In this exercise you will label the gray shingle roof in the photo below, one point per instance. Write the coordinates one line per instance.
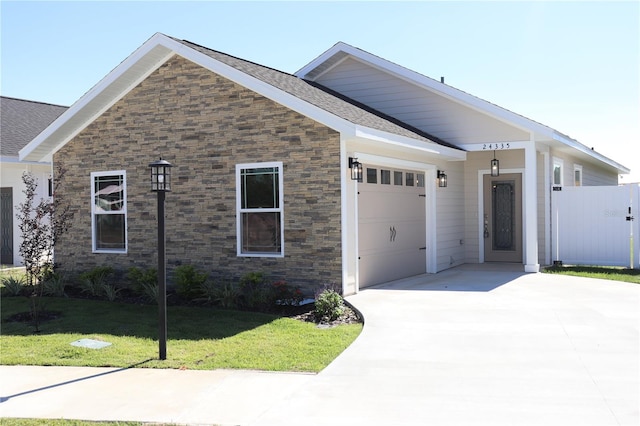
(320, 96)
(22, 120)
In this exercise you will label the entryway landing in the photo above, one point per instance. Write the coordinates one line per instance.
(479, 277)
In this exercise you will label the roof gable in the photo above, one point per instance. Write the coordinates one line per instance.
(429, 104)
(295, 93)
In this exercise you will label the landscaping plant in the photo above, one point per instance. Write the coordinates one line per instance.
(329, 306)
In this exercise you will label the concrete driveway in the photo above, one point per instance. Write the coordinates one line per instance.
(482, 345)
(475, 345)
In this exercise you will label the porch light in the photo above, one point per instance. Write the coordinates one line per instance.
(495, 166)
(356, 169)
(160, 176)
(442, 179)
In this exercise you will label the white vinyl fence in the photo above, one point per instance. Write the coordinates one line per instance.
(591, 225)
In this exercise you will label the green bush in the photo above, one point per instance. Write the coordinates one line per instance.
(54, 285)
(286, 295)
(189, 281)
(144, 282)
(13, 286)
(255, 293)
(329, 306)
(224, 294)
(94, 281)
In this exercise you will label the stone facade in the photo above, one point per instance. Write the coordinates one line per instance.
(204, 125)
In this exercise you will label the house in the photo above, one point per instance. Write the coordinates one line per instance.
(21, 121)
(262, 169)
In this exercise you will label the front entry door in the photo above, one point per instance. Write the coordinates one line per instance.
(6, 226)
(503, 218)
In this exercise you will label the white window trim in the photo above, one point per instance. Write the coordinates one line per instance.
(123, 211)
(578, 168)
(557, 162)
(239, 209)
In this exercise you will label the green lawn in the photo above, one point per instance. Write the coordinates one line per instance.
(602, 272)
(198, 338)
(5, 421)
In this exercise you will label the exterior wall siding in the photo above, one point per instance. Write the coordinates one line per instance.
(204, 125)
(450, 207)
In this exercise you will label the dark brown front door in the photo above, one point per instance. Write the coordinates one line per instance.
(503, 218)
(6, 226)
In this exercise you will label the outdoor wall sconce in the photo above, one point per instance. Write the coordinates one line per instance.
(442, 179)
(161, 183)
(495, 166)
(356, 169)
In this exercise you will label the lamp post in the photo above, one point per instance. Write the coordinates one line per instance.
(161, 183)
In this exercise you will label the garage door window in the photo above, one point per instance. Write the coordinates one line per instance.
(260, 212)
(397, 178)
(420, 177)
(409, 179)
(372, 175)
(385, 177)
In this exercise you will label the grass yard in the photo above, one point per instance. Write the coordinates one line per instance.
(5, 421)
(602, 272)
(198, 337)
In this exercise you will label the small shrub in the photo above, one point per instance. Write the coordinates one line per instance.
(329, 306)
(144, 282)
(189, 281)
(110, 291)
(224, 294)
(54, 285)
(13, 286)
(255, 293)
(287, 295)
(93, 281)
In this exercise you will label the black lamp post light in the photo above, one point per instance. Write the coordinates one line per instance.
(161, 183)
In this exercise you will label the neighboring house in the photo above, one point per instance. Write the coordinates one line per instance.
(261, 178)
(21, 121)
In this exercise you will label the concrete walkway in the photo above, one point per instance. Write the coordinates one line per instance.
(472, 345)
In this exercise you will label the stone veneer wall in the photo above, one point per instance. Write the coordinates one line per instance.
(204, 125)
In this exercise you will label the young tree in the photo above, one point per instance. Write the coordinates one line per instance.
(41, 224)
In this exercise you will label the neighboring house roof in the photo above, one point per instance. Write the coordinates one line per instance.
(309, 99)
(340, 52)
(21, 121)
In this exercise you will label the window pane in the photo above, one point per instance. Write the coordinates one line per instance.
(409, 177)
(397, 178)
(578, 178)
(109, 193)
(557, 173)
(261, 232)
(420, 177)
(372, 175)
(260, 188)
(109, 231)
(385, 177)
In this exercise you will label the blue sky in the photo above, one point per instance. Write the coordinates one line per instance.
(573, 66)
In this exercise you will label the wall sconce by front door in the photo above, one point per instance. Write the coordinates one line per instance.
(356, 169)
(442, 179)
(495, 166)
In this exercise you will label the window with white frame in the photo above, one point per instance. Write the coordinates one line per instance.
(109, 211)
(557, 172)
(260, 219)
(577, 175)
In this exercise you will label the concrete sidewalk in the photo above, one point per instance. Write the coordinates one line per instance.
(472, 345)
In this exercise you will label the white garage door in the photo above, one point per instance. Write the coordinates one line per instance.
(391, 225)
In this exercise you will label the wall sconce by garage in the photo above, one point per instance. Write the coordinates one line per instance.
(356, 169)
(495, 166)
(442, 179)
(161, 183)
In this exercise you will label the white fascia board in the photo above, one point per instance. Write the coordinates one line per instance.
(15, 160)
(265, 89)
(134, 69)
(572, 143)
(336, 48)
(405, 142)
